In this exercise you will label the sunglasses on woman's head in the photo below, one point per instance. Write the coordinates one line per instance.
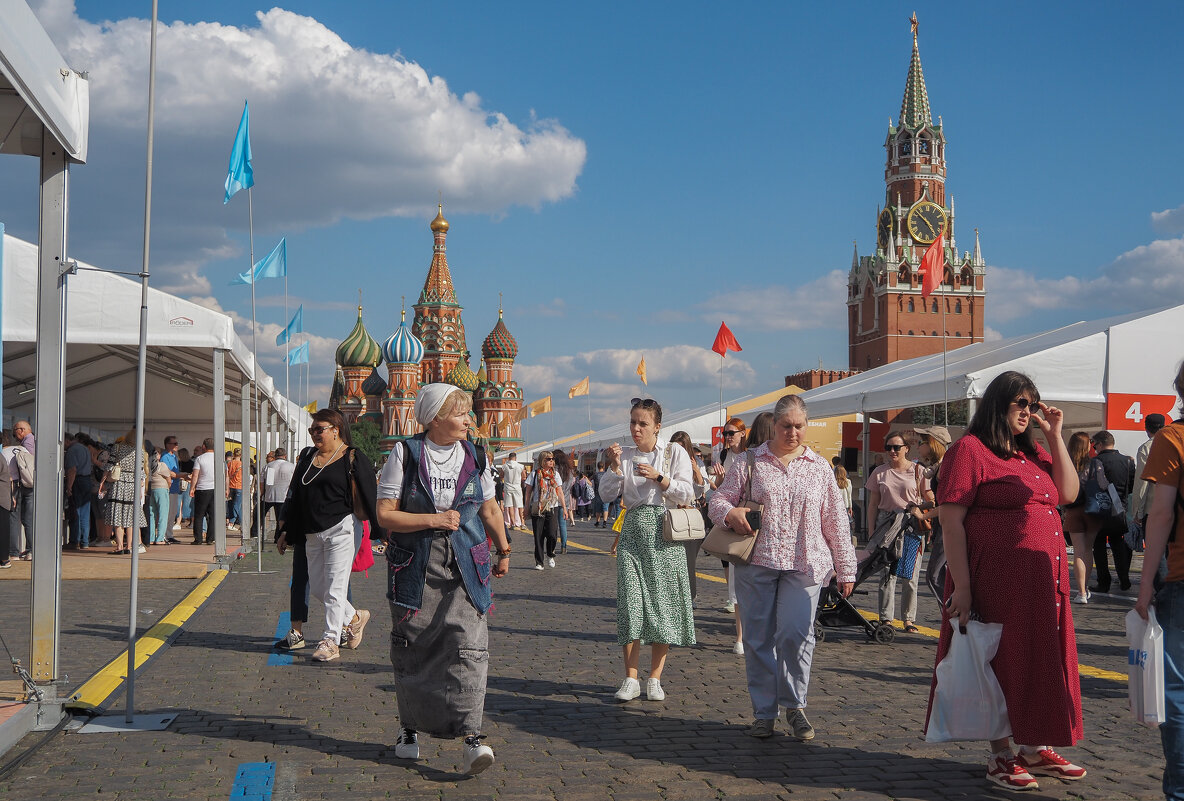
(645, 403)
(894, 448)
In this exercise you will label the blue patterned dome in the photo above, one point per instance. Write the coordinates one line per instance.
(403, 347)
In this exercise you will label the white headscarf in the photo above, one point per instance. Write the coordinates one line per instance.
(430, 400)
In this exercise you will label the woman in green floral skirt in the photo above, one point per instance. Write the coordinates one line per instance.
(653, 590)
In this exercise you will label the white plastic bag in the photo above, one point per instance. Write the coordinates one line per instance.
(968, 702)
(1145, 667)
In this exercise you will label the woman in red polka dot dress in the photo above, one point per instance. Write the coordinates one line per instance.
(1007, 564)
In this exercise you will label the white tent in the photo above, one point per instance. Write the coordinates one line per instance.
(1105, 373)
(102, 331)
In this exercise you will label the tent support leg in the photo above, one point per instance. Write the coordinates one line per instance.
(219, 453)
(247, 431)
(48, 422)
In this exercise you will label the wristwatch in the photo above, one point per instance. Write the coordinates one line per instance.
(660, 478)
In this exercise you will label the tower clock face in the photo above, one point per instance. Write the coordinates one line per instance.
(883, 228)
(925, 221)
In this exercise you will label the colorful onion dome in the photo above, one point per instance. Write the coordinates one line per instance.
(359, 348)
(403, 347)
(499, 344)
(462, 377)
(440, 224)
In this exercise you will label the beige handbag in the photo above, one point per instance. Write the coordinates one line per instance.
(731, 546)
(683, 524)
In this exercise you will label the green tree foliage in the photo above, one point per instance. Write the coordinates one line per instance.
(366, 436)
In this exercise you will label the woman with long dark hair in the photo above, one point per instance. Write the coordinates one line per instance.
(1081, 531)
(1007, 562)
(329, 481)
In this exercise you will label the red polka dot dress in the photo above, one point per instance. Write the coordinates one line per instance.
(1019, 576)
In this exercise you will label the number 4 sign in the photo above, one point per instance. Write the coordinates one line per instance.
(1126, 412)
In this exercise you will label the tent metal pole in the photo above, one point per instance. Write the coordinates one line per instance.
(219, 524)
(141, 370)
(45, 590)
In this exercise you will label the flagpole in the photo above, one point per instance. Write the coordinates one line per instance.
(721, 389)
(287, 386)
(254, 416)
(944, 381)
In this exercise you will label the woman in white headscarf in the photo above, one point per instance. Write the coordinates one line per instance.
(436, 497)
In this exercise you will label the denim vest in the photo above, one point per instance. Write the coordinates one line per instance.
(407, 554)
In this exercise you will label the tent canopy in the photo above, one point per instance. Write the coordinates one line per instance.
(102, 333)
(38, 89)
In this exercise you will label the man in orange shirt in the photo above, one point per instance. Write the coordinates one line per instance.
(234, 482)
(1165, 531)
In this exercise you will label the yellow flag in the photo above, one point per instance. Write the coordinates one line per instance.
(541, 406)
(484, 431)
(311, 408)
(641, 371)
(581, 388)
(521, 414)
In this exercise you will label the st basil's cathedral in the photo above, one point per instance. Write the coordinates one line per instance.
(431, 349)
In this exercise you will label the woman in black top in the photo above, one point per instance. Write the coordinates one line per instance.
(330, 481)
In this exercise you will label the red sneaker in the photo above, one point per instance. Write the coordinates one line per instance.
(1048, 762)
(1006, 772)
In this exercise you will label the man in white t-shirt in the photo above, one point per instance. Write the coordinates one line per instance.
(512, 490)
(201, 489)
(276, 478)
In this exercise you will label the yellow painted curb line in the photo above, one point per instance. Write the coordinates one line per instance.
(1084, 670)
(95, 691)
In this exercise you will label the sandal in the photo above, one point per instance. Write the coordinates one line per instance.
(910, 628)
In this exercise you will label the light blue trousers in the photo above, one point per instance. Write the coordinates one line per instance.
(777, 613)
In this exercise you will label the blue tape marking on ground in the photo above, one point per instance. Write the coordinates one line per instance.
(281, 630)
(253, 781)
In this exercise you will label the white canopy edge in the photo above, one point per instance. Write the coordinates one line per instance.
(56, 94)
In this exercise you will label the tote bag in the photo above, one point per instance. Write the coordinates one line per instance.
(1145, 667)
(968, 703)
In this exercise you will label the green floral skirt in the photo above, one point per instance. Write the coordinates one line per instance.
(653, 590)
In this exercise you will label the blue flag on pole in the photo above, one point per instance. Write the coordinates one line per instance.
(294, 327)
(273, 265)
(240, 175)
(299, 355)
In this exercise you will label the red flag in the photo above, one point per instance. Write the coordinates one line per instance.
(724, 341)
(933, 265)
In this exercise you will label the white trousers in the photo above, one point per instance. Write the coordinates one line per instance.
(777, 611)
(330, 555)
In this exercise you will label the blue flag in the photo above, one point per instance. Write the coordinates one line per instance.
(273, 265)
(299, 355)
(240, 174)
(294, 327)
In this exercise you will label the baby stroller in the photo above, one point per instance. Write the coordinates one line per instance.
(883, 550)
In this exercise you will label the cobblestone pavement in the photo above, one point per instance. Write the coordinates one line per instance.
(550, 714)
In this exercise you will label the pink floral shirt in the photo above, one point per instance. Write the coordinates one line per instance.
(804, 525)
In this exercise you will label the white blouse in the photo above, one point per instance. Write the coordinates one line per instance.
(637, 491)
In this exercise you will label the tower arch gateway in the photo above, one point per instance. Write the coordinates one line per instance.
(884, 288)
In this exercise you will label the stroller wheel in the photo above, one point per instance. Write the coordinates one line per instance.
(885, 634)
(819, 633)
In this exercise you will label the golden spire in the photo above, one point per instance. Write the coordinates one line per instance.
(440, 224)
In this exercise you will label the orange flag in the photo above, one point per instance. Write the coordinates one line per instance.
(725, 341)
(641, 371)
(933, 264)
(581, 388)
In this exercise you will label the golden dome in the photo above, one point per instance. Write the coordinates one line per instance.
(440, 224)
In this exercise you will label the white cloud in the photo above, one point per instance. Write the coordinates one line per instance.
(1168, 221)
(821, 303)
(1145, 277)
(336, 132)
(991, 335)
(556, 307)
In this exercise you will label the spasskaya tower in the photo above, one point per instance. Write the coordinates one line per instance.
(888, 319)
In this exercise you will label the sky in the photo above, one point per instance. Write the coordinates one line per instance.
(626, 176)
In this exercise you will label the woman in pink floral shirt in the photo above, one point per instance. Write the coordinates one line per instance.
(804, 534)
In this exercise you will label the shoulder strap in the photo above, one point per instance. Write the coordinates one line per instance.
(410, 468)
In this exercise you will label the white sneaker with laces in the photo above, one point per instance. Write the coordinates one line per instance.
(738, 648)
(1079, 598)
(407, 746)
(630, 689)
(141, 549)
(551, 562)
(539, 567)
(478, 757)
(654, 691)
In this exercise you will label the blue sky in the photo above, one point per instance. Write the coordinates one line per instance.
(660, 167)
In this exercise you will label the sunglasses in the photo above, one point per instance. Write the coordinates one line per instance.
(319, 429)
(731, 433)
(1024, 403)
(645, 403)
(895, 448)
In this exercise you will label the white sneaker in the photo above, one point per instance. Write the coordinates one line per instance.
(141, 549)
(738, 648)
(1082, 599)
(654, 691)
(407, 746)
(176, 526)
(478, 757)
(630, 689)
(551, 562)
(538, 567)
(729, 607)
